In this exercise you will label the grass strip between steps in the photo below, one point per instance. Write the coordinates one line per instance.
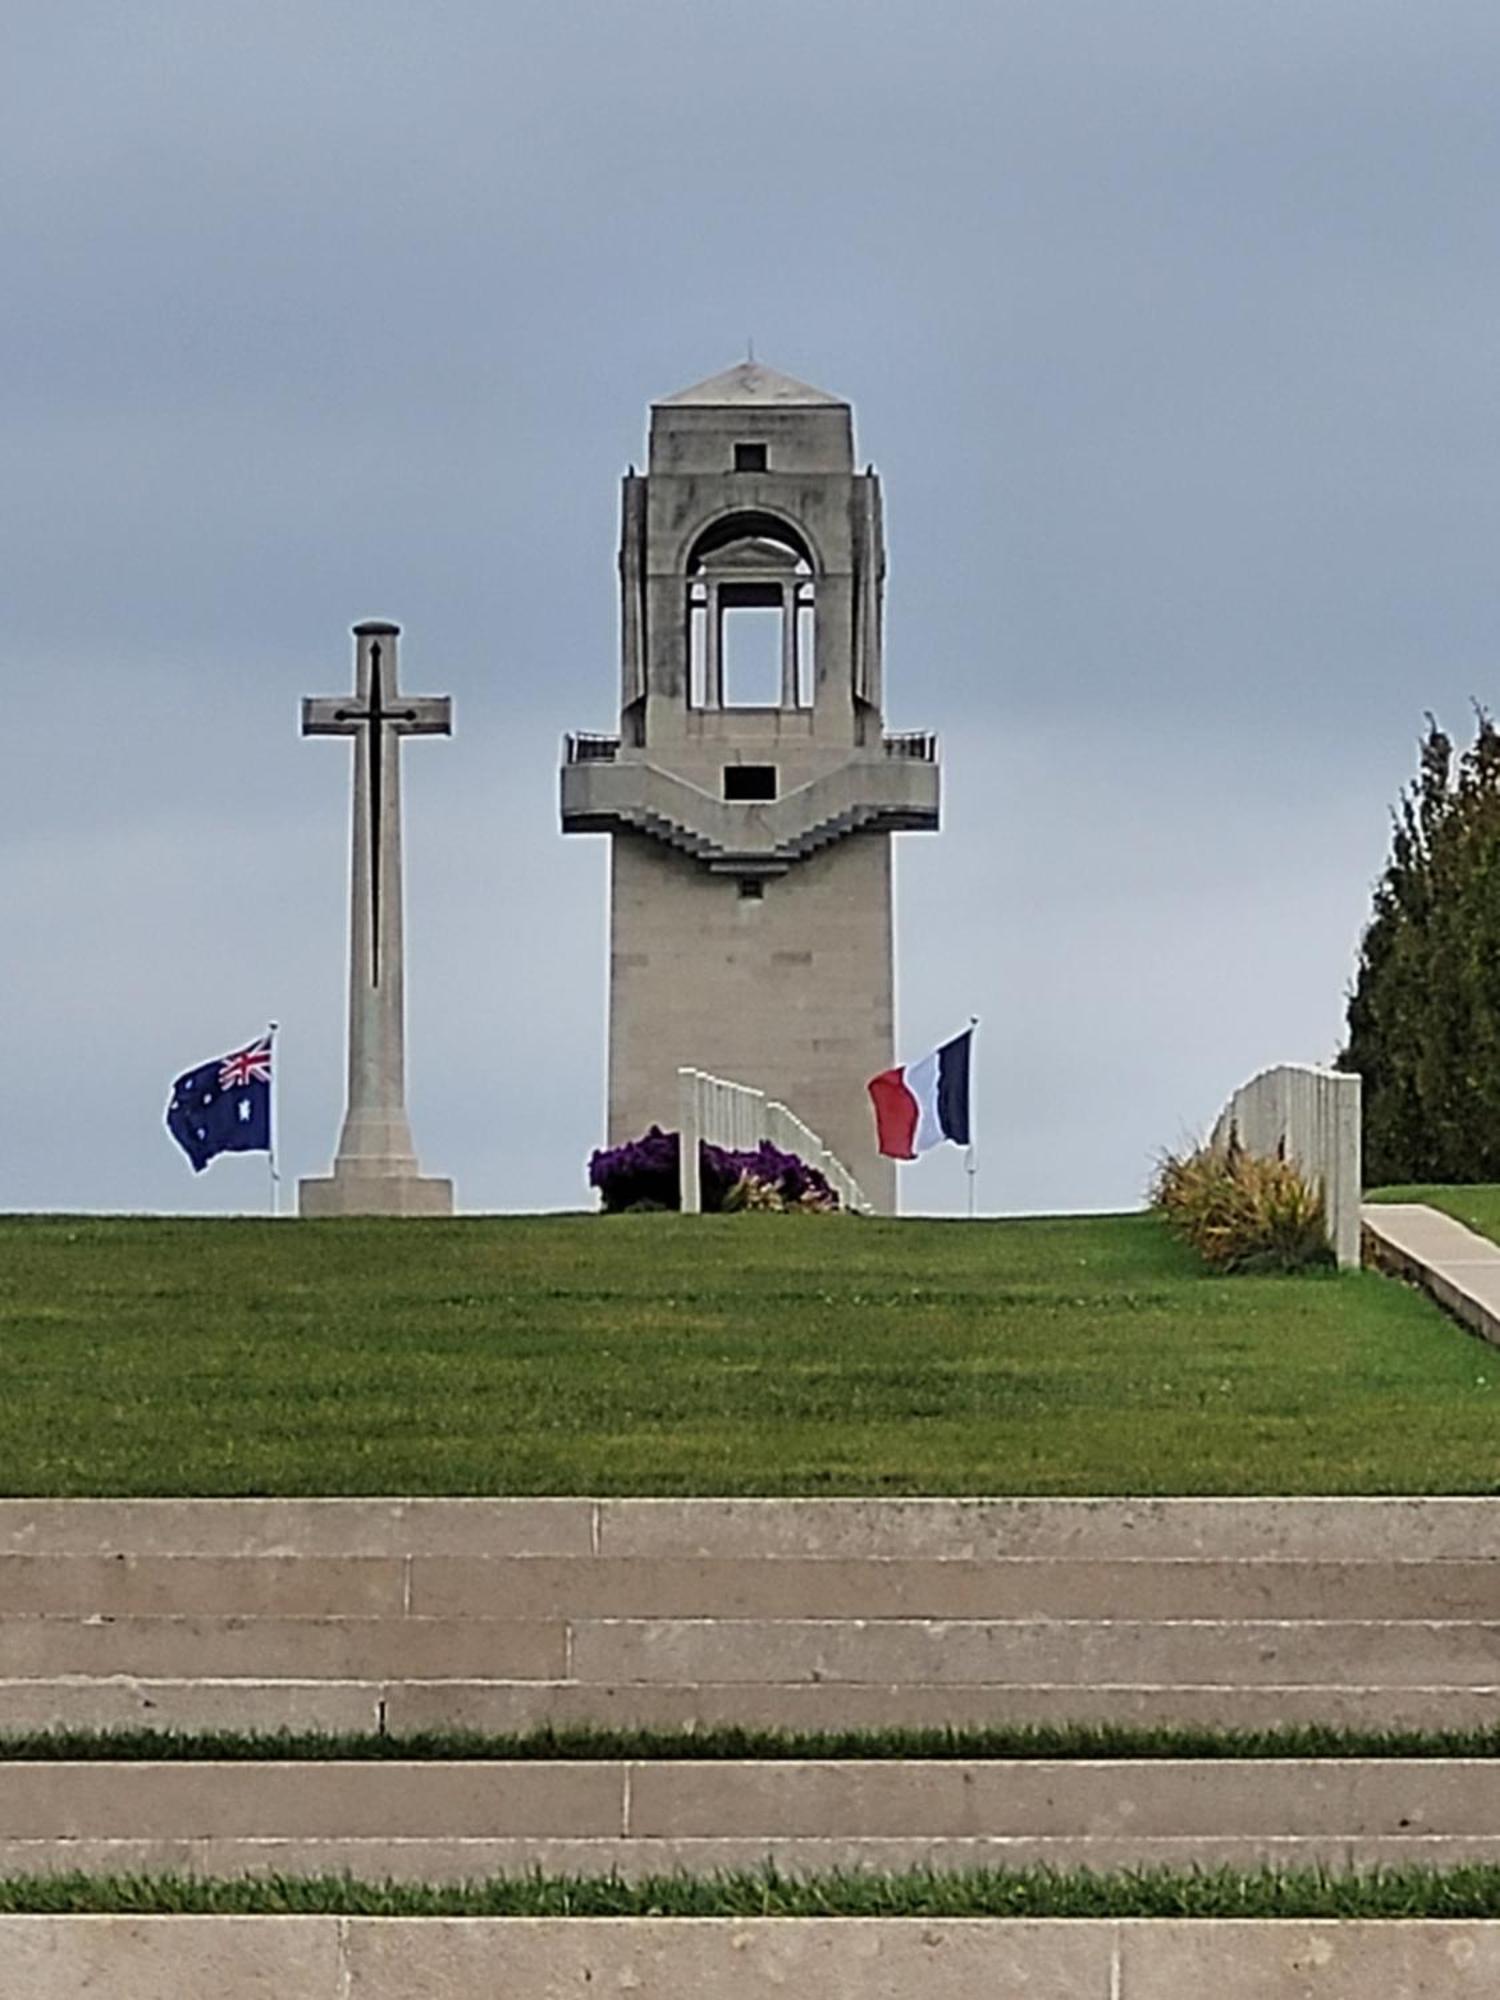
(1463, 1892)
(1052, 1742)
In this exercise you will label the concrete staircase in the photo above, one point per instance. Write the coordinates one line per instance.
(503, 1615)
(509, 1614)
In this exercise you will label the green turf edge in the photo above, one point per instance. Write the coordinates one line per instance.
(1082, 1742)
(1397, 1893)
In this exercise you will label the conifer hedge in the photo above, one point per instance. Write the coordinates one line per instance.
(1424, 1014)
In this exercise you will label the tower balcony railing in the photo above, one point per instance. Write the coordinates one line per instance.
(585, 747)
(916, 744)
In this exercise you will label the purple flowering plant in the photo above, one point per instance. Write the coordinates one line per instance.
(644, 1173)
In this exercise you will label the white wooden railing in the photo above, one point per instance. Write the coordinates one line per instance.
(1309, 1117)
(734, 1115)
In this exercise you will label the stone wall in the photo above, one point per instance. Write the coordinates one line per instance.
(1311, 1118)
(792, 990)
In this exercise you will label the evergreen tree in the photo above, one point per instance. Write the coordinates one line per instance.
(1424, 1016)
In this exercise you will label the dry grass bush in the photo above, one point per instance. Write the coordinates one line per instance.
(750, 1191)
(1242, 1212)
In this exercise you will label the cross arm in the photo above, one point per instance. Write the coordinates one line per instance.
(328, 715)
(423, 715)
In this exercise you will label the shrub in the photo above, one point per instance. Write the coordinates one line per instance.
(643, 1173)
(1241, 1211)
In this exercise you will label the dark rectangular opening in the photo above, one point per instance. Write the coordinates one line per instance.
(750, 458)
(751, 891)
(749, 781)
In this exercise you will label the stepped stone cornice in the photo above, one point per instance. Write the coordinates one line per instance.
(872, 791)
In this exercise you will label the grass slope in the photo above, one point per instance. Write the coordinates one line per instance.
(745, 1354)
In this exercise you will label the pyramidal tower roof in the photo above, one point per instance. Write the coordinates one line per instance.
(751, 382)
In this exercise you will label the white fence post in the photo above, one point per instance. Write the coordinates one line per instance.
(1311, 1118)
(690, 1131)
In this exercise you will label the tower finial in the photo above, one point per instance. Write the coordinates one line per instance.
(750, 347)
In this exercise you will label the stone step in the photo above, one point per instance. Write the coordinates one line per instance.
(434, 1819)
(334, 1527)
(554, 1588)
(516, 1707)
(1316, 1529)
(1100, 1530)
(919, 1652)
(291, 1648)
(1025, 1651)
(908, 1588)
(717, 1798)
(284, 1586)
(837, 1958)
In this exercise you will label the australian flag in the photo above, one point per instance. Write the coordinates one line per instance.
(224, 1106)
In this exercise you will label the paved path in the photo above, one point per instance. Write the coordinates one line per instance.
(1458, 1268)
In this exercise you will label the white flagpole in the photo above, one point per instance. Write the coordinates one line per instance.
(271, 1035)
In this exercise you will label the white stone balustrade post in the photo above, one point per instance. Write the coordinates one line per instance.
(1311, 1118)
(690, 1131)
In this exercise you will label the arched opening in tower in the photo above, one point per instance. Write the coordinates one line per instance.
(751, 615)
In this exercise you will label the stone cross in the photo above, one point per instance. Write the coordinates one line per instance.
(375, 1171)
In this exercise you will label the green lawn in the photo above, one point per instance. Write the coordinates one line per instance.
(735, 1354)
(1479, 1207)
(1057, 1742)
(1392, 1894)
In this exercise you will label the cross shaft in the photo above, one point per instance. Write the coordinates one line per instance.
(419, 715)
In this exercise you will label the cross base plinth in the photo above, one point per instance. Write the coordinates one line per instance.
(374, 1194)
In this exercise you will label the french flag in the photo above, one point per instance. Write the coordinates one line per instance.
(923, 1103)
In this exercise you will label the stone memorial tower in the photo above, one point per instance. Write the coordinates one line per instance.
(751, 792)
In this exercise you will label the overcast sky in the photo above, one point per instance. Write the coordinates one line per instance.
(1170, 326)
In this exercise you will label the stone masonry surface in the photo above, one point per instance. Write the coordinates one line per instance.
(510, 1614)
(330, 1958)
(437, 1821)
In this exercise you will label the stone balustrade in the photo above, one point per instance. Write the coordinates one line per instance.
(739, 1117)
